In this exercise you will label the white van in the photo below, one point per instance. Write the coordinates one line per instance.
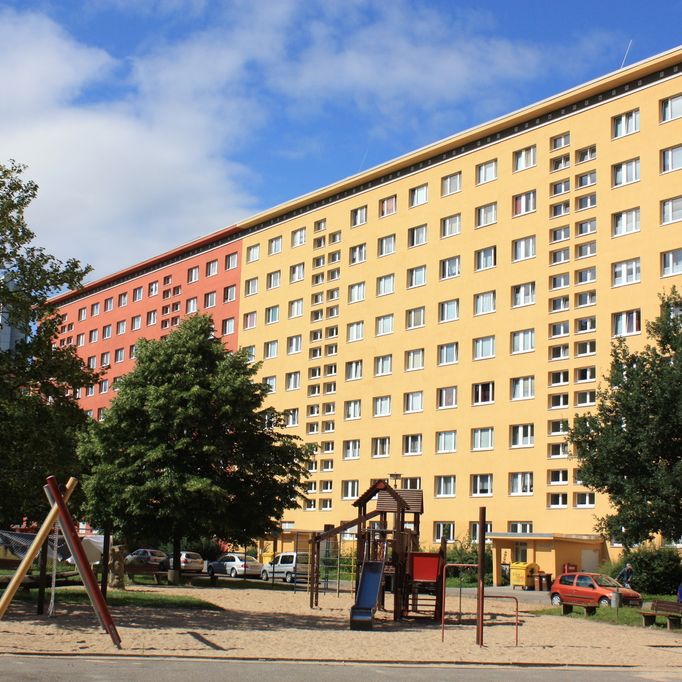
(287, 566)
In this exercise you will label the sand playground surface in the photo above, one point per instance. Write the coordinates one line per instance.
(271, 625)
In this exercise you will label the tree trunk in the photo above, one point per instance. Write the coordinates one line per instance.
(175, 575)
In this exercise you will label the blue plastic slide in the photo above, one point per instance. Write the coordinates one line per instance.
(367, 597)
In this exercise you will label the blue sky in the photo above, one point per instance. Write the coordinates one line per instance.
(148, 123)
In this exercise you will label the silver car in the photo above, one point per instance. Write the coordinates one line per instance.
(190, 562)
(288, 566)
(235, 565)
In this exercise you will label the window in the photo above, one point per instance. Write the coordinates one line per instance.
(523, 294)
(626, 323)
(386, 245)
(584, 374)
(483, 393)
(444, 486)
(558, 427)
(523, 248)
(586, 201)
(625, 272)
(443, 529)
(446, 441)
(625, 124)
(357, 254)
(358, 216)
(108, 305)
(558, 401)
(121, 327)
(557, 450)
(625, 173)
(451, 225)
(523, 388)
(558, 378)
(381, 446)
(415, 317)
(521, 483)
(419, 195)
(387, 206)
(349, 490)
(412, 444)
(522, 436)
(353, 370)
(557, 500)
(481, 485)
(484, 347)
(356, 292)
(151, 317)
(135, 323)
(352, 409)
(292, 380)
(559, 163)
(451, 183)
(484, 303)
(274, 245)
(585, 276)
(560, 187)
(486, 215)
(272, 314)
(523, 341)
(296, 272)
(383, 365)
(560, 141)
(295, 308)
(273, 279)
(413, 401)
(583, 500)
(586, 227)
(559, 304)
(298, 237)
(625, 222)
(351, 449)
(384, 325)
(523, 203)
(671, 108)
(586, 249)
(270, 349)
(586, 154)
(447, 353)
(671, 263)
(671, 159)
(556, 210)
(416, 277)
(94, 333)
(230, 293)
(524, 158)
(446, 397)
(249, 320)
(485, 258)
(416, 236)
(385, 285)
(294, 344)
(559, 256)
(560, 234)
(448, 311)
(482, 438)
(586, 179)
(557, 329)
(252, 253)
(449, 267)
(209, 299)
(153, 289)
(558, 477)
(486, 172)
(586, 298)
(355, 331)
(382, 406)
(671, 210)
(251, 286)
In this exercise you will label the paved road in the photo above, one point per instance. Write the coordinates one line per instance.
(107, 669)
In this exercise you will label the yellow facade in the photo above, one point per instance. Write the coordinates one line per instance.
(441, 316)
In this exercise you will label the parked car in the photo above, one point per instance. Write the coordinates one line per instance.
(191, 562)
(147, 557)
(235, 565)
(590, 587)
(287, 566)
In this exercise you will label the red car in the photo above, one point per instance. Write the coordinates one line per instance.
(588, 588)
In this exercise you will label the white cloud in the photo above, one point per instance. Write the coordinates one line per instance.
(125, 176)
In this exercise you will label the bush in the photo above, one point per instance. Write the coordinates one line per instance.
(466, 552)
(657, 570)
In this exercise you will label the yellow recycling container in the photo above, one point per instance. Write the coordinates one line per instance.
(522, 574)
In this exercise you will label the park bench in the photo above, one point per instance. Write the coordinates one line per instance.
(669, 609)
(568, 604)
(133, 569)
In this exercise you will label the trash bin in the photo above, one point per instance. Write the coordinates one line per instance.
(537, 581)
(522, 574)
(616, 599)
(547, 580)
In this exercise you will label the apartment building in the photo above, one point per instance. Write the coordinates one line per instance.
(441, 317)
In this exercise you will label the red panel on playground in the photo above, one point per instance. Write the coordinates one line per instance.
(425, 566)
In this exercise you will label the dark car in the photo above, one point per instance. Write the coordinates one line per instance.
(587, 588)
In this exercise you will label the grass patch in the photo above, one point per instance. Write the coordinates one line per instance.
(155, 600)
(625, 615)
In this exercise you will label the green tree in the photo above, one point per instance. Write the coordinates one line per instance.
(38, 412)
(187, 448)
(631, 447)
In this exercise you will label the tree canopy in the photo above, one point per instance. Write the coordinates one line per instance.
(631, 447)
(187, 448)
(38, 411)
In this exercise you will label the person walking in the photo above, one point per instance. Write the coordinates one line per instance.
(625, 576)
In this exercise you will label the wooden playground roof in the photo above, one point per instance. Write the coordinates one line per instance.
(414, 499)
